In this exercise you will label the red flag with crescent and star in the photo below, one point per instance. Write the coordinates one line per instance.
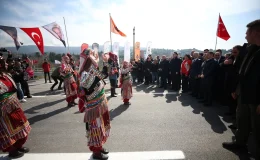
(36, 36)
(222, 31)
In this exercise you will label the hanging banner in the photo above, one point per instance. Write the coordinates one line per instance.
(107, 47)
(36, 35)
(137, 51)
(12, 31)
(56, 31)
(148, 49)
(127, 52)
(95, 46)
(116, 48)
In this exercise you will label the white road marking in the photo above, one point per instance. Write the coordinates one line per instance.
(151, 155)
(108, 94)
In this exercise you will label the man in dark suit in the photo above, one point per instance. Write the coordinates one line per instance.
(220, 78)
(194, 74)
(208, 76)
(248, 94)
(164, 71)
(175, 67)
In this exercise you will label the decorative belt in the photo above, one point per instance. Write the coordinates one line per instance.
(97, 90)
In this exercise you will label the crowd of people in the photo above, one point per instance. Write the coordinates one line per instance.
(231, 79)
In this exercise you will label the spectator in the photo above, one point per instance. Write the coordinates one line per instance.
(46, 69)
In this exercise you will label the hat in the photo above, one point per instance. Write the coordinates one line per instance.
(87, 57)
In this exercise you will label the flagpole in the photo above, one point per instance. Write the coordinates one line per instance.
(134, 42)
(110, 31)
(217, 34)
(66, 35)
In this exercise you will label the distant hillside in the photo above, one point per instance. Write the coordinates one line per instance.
(57, 49)
(32, 49)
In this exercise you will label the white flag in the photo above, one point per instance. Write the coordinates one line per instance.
(56, 31)
(57, 62)
(116, 50)
(107, 47)
(148, 49)
(127, 52)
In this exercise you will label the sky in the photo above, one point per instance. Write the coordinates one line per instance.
(172, 24)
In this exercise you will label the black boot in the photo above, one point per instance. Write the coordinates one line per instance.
(100, 156)
(104, 151)
(24, 150)
(70, 105)
(113, 92)
(15, 154)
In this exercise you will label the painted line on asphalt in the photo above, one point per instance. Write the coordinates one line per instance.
(108, 94)
(151, 155)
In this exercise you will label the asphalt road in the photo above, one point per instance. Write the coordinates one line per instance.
(157, 120)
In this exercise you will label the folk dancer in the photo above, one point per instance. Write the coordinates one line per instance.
(14, 126)
(126, 82)
(70, 85)
(93, 101)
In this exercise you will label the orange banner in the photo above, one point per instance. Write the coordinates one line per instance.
(137, 51)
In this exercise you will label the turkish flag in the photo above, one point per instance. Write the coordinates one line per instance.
(36, 36)
(222, 31)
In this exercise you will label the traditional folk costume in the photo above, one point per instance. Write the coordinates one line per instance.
(126, 83)
(70, 85)
(93, 101)
(14, 126)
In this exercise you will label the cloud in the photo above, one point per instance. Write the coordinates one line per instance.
(167, 23)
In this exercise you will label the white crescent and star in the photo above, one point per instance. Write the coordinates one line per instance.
(33, 34)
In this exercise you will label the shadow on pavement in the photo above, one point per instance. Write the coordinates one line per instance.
(117, 111)
(41, 106)
(211, 114)
(48, 92)
(48, 115)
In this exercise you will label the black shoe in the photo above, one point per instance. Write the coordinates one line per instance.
(73, 103)
(127, 103)
(207, 104)
(70, 105)
(50, 82)
(104, 151)
(113, 95)
(29, 96)
(232, 126)
(234, 146)
(100, 156)
(24, 150)
(116, 93)
(228, 114)
(15, 154)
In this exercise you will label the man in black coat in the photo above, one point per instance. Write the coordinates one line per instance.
(175, 67)
(208, 76)
(164, 71)
(194, 74)
(140, 73)
(219, 84)
(148, 71)
(248, 94)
